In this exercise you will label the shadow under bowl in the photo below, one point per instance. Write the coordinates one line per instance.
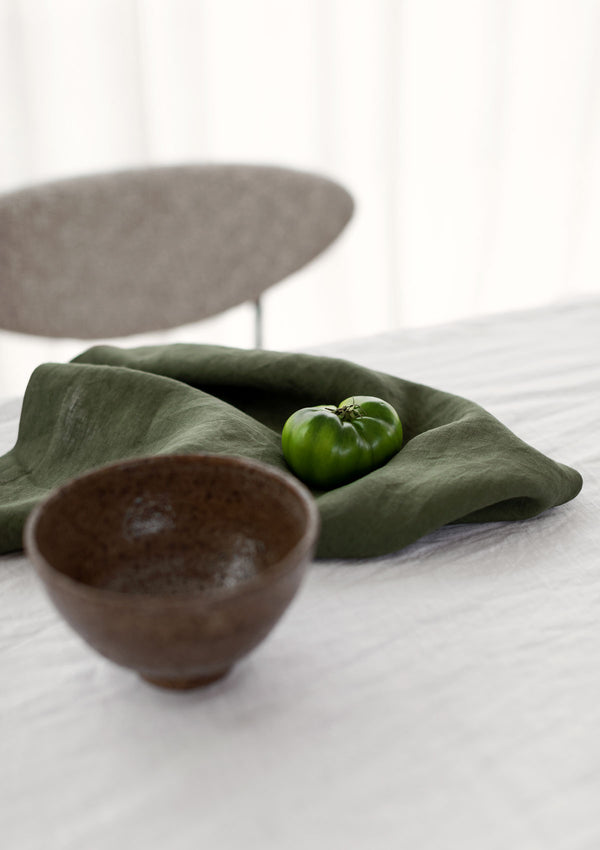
(175, 566)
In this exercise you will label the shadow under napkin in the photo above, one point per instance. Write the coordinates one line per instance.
(458, 463)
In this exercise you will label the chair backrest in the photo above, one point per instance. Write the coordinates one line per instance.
(115, 254)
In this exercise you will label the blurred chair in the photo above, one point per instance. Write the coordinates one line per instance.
(129, 252)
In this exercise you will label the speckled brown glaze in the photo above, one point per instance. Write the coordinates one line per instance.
(174, 566)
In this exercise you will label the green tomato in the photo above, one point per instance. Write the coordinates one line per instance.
(327, 446)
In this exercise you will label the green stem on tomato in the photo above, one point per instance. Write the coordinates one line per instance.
(348, 412)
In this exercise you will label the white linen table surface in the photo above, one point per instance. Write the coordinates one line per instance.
(446, 696)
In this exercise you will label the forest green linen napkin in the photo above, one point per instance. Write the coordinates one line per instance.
(458, 462)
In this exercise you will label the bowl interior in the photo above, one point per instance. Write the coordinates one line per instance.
(173, 525)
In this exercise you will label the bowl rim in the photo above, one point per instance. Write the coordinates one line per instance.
(255, 584)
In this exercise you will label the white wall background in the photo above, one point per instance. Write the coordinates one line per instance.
(467, 131)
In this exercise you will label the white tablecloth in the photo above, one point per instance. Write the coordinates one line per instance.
(444, 697)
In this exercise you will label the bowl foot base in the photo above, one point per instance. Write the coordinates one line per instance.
(185, 684)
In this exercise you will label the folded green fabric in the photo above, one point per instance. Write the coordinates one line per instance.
(458, 463)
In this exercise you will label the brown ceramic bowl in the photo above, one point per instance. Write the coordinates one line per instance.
(175, 566)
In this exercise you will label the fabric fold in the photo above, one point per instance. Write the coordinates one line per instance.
(458, 463)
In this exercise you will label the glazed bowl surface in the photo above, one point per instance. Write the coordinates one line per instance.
(175, 566)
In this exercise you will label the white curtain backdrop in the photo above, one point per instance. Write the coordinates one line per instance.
(467, 131)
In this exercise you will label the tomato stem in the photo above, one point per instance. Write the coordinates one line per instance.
(348, 412)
